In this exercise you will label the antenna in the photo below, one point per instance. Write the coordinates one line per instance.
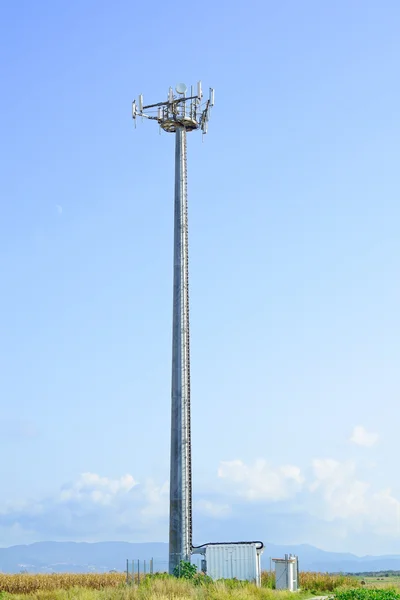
(177, 112)
(211, 97)
(181, 88)
(180, 114)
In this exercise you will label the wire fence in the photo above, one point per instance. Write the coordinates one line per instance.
(137, 569)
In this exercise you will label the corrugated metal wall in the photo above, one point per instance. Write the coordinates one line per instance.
(228, 561)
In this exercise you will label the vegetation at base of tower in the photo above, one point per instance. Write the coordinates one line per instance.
(113, 586)
(185, 570)
(159, 589)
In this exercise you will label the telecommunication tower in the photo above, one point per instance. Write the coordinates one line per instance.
(179, 114)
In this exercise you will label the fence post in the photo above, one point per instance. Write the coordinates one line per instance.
(151, 566)
(133, 572)
(144, 567)
(127, 571)
(138, 571)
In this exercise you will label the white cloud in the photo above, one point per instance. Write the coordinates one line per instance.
(342, 494)
(261, 481)
(101, 490)
(385, 513)
(93, 508)
(254, 499)
(335, 493)
(343, 497)
(362, 437)
(157, 505)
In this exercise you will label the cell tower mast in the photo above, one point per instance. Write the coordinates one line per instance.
(179, 114)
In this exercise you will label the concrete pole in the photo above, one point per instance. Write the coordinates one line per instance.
(180, 528)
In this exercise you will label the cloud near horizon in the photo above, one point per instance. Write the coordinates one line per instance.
(361, 437)
(261, 481)
(91, 508)
(255, 500)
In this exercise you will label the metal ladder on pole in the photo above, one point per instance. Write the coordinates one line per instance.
(187, 347)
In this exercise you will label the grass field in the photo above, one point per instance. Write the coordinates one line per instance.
(380, 581)
(368, 594)
(155, 589)
(316, 582)
(113, 586)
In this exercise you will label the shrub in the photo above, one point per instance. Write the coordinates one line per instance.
(185, 570)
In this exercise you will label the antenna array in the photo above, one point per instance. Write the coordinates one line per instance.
(179, 110)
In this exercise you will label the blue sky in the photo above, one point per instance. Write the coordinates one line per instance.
(294, 263)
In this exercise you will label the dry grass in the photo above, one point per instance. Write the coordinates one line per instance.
(112, 586)
(326, 582)
(156, 589)
(315, 582)
(23, 584)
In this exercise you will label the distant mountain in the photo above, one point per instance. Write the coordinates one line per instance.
(58, 557)
(314, 559)
(61, 557)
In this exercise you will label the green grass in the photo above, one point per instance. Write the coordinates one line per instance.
(162, 589)
(368, 594)
(380, 581)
